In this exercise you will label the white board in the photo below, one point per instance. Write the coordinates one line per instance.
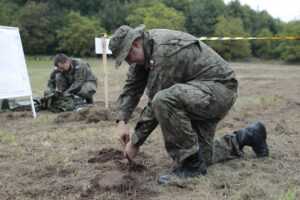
(98, 46)
(14, 80)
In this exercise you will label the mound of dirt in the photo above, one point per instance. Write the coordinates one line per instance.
(123, 180)
(110, 154)
(81, 114)
(88, 114)
(92, 114)
(114, 180)
(122, 185)
(106, 154)
(99, 115)
(64, 117)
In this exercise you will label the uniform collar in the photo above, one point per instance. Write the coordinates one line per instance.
(148, 51)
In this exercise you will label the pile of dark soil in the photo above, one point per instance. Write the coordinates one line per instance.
(88, 115)
(124, 181)
(105, 155)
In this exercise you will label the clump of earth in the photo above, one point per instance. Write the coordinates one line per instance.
(123, 179)
(88, 114)
(114, 180)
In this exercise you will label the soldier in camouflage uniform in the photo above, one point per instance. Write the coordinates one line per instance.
(72, 76)
(190, 89)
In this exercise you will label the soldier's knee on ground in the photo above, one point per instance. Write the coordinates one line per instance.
(86, 92)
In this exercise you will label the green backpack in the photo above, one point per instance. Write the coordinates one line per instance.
(57, 102)
(54, 101)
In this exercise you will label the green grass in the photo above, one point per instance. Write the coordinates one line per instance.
(289, 195)
(7, 139)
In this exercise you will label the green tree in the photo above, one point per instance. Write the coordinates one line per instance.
(228, 26)
(112, 13)
(7, 12)
(263, 48)
(263, 20)
(16, 2)
(78, 36)
(202, 16)
(157, 16)
(254, 21)
(34, 27)
(289, 50)
(181, 5)
(88, 7)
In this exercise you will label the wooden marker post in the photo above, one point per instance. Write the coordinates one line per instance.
(105, 73)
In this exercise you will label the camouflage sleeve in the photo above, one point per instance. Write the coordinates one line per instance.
(132, 91)
(146, 124)
(79, 76)
(52, 82)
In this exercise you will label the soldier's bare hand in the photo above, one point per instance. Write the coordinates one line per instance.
(123, 133)
(131, 151)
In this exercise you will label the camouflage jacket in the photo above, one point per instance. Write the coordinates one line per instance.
(169, 59)
(52, 82)
(79, 73)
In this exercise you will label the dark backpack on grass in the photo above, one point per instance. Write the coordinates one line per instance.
(54, 101)
(59, 102)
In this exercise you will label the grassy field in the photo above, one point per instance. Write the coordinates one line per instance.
(71, 155)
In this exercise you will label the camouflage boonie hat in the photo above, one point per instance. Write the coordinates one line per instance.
(121, 41)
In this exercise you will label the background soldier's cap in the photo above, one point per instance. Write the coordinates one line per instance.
(121, 41)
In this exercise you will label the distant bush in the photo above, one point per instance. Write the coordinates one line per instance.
(77, 37)
(231, 49)
(289, 50)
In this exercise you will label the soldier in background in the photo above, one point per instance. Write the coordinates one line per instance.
(72, 76)
(190, 89)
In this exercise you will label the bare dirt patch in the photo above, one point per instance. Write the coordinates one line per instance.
(106, 154)
(91, 114)
(87, 114)
(114, 180)
(124, 179)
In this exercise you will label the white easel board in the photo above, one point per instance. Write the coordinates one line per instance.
(14, 80)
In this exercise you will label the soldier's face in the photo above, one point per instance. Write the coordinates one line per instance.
(65, 66)
(136, 54)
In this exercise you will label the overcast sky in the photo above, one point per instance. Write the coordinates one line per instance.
(286, 10)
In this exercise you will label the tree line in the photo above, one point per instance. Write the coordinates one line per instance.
(49, 27)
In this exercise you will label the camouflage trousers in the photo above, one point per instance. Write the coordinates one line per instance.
(87, 90)
(188, 115)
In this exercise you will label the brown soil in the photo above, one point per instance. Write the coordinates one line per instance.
(87, 114)
(114, 180)
(123, 179)
(106, 154)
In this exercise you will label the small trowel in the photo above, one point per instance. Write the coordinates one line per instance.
(131, 164)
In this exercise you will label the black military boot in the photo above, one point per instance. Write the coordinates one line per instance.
(254, 136)
(191, 167)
